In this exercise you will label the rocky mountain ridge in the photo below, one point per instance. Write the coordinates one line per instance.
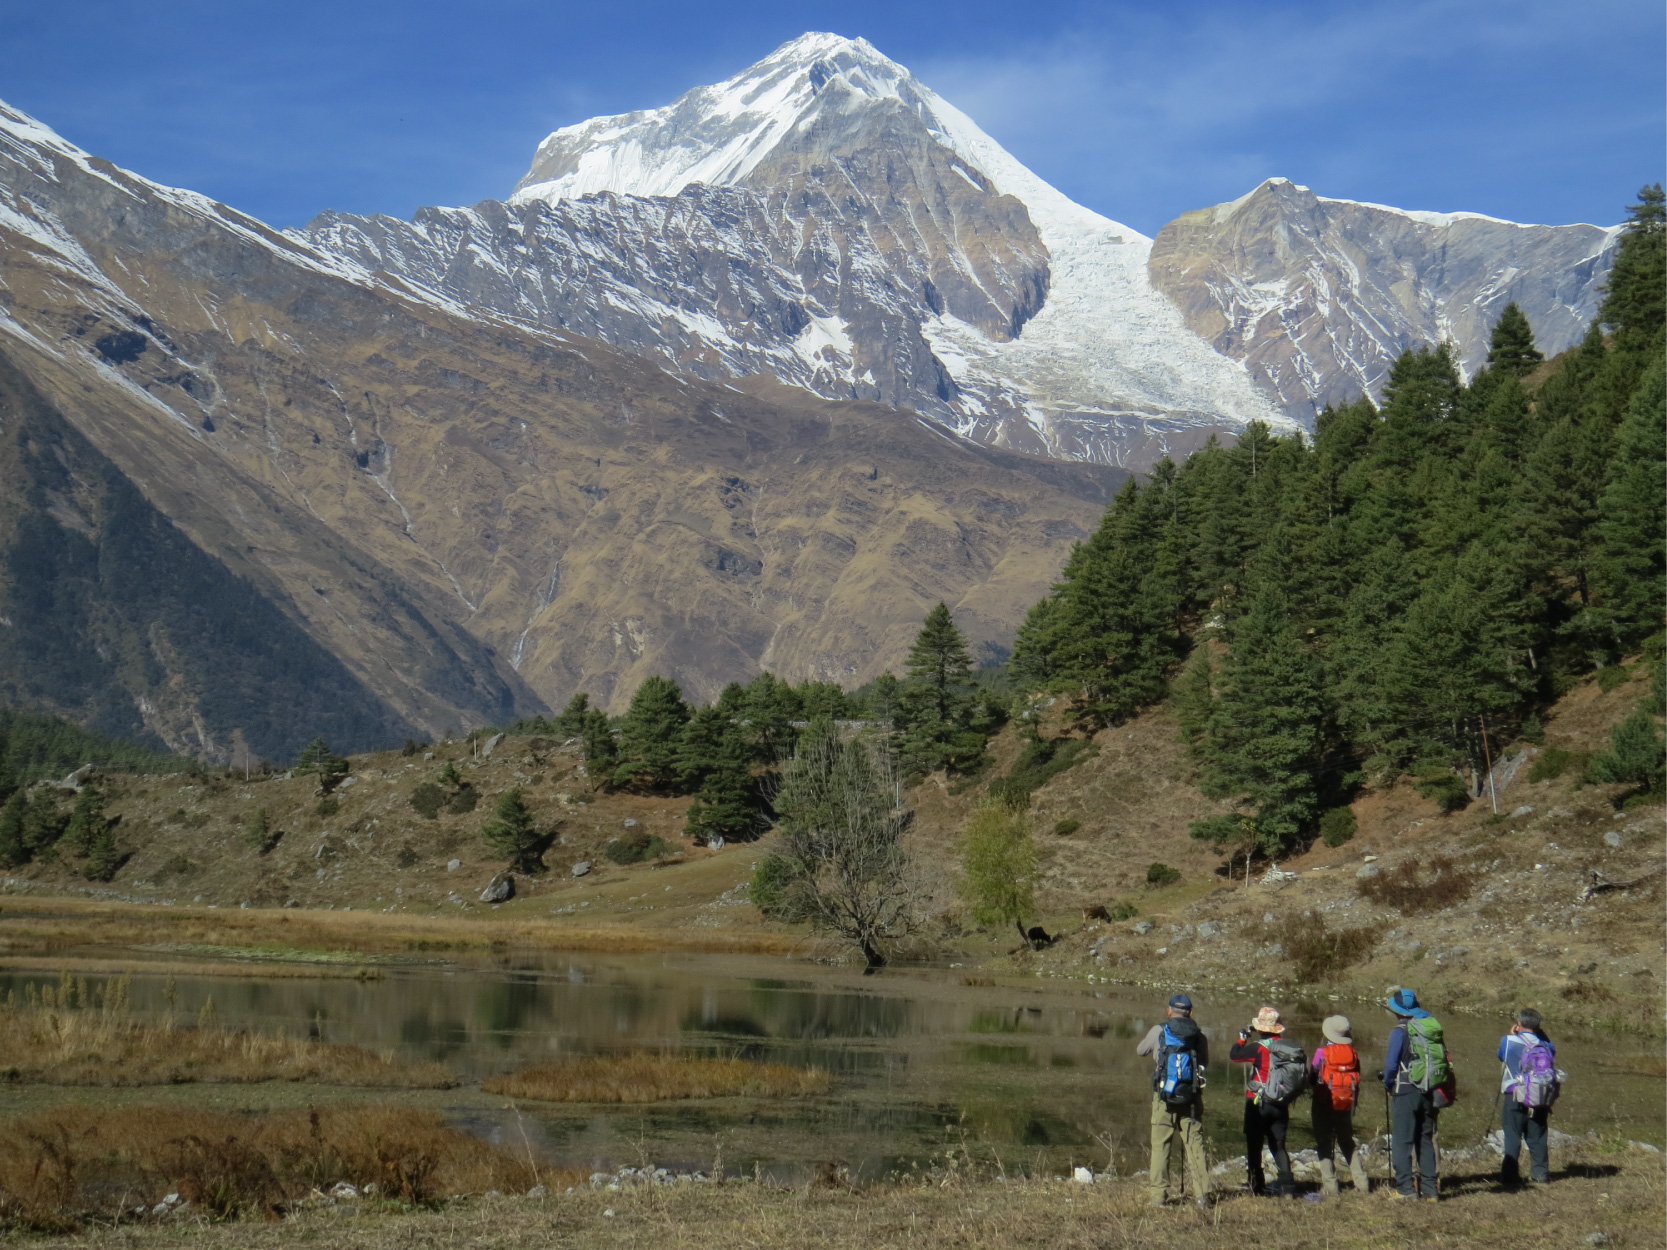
(825, 217)
(1317, 297)
(476, 517)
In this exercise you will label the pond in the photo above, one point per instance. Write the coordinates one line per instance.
(1031, 1077)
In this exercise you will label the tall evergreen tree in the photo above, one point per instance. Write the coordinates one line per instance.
(1512, 347)
(650, 733)
(1631, 564)
(85, 821)
(1263, 741)
(937, 703)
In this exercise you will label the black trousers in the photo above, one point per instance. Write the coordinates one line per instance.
(1413, 1116)
(1522, 1124)
(1266, 1126)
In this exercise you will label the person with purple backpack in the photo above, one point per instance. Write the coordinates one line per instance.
(1530, 1084)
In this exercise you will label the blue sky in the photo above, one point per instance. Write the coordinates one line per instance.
(1532, 110)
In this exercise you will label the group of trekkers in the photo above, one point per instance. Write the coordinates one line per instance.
(1417, 1078)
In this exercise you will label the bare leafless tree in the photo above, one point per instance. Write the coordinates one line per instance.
(843, 863)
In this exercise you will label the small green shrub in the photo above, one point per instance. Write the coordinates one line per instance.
(1160, 875)
(637, 846)
(407, 858)
(464, 801)
(1338, 825)
(428, 799)
(1551, 765)
(1447, 788)
(1010, 793)
(1613, 677)
(328, 805)
(771, 888)
(1066, 828)
(1533, 731)
(1122, 911)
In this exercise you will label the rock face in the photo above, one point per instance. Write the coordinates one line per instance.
(470, 518)
(1317, 297)
(825, 218)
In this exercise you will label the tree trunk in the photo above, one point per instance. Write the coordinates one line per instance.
(1023, 935)
(875, 960)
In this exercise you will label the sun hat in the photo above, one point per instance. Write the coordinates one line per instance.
(1338, 1029)
(1267, 1021)
(1403, 1002)
(1181, 1003)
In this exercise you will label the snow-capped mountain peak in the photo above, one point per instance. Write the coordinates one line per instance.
(715, 135)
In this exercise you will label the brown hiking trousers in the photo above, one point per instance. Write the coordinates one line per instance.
(1167, 1125)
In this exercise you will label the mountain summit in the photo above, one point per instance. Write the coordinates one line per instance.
(825, 217)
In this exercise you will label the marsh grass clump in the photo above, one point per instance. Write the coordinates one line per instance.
(1408, 889)
(1319, 952)
(657, 1078)
(62, 1167)
(77, 1032)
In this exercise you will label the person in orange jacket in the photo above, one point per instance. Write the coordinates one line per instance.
(1336, 1092)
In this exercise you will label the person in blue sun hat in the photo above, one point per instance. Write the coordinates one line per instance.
(1414, 1069)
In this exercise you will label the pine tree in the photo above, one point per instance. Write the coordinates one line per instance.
(104, 860)
(318, 760)
(512, 833)
(1636, 303)
(43, 821)
(601, 747)
(571, 720)
(1630, 567)
(649, 735)
(13, 852)
(85, 821)
(1512, 348)
(1265, 735)
(1635, 755)
(728, 799)
(936, 703)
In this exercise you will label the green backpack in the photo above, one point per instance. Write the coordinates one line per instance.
(1429, 1066)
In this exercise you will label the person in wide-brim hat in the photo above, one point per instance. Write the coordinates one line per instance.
(1337, 1029)
(1267, 1021)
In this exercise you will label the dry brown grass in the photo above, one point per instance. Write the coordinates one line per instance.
(657, 1078)
(62, 1167)
(39, 925)
(1619, 1195)
(1440, 884)
(77, 1032)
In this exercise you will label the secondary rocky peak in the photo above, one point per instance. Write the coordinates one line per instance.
(1318, 296)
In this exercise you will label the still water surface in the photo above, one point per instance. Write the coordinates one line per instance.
(1033, 1077)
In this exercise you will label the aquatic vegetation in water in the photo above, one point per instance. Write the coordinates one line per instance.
(656, 1078)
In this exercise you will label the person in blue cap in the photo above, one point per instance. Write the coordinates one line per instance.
(1180, 1053)
(1415, 1065)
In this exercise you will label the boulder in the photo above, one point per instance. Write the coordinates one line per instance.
(1366, 871)
(1524, 810)
(582, 868)
(1209, 929)
(490, 745)
(630, 823)
(1141, 928)
(501, 890)
(452, 865)
(715, 844)
(1612, 838)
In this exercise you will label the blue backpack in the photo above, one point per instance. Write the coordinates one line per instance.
(1177, 1077)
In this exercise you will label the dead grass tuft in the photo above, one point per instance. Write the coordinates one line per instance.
(62, 1167)
(1319, 953)
(657, 1078)
(78, 1032)
(1407, 888)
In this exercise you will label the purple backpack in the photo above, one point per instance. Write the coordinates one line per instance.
(1537, 1082)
